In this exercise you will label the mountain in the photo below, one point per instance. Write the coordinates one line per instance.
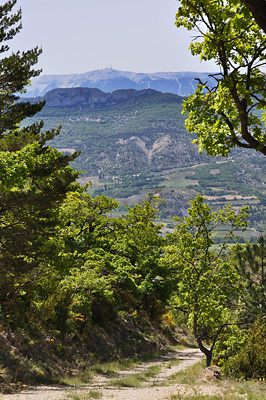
(126, 130)
(109, 80)
(95, 98)
(133, 142)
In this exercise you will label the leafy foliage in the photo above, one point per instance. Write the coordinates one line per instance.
(34, 177)
(111, 257)
(206, 284)
(249, 362)
(250, 261)
(231, 112)
(67, 265)
(258, 9)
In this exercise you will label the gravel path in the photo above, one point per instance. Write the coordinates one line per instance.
(153, 389)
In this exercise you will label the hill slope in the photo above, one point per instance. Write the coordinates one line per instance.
(127, 130)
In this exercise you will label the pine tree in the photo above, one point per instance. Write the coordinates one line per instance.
(34, 178)
(15, 72)
(252, 267)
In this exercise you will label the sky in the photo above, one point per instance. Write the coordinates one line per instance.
(78, 36)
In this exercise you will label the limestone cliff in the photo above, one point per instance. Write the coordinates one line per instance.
(93, 97)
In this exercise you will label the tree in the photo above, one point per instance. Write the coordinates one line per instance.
(127, 249)
(145, 245)
(34, 177)
(250, 263)
(258, 10)
(34, 181)
(207, 285)
(229, 109)
(15, 73)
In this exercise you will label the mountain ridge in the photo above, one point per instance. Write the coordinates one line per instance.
(108, 80)
(126, 130)
(93, 97)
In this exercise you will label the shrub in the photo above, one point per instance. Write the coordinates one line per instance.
(250, 360)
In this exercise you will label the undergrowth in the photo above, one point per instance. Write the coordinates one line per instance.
(33, 358)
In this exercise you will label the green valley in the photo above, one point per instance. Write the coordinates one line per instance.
(134, 142)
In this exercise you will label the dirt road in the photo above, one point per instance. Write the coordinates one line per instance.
(156, 388)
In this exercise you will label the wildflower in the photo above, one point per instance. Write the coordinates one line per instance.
(79, 317)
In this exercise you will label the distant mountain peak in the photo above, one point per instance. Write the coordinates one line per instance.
(109, 79)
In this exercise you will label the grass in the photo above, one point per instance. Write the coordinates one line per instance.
(136, 379)
(229, 389)
(198, 397)
(202, 397)
(111, 369)
(178, 183)
(251, 389)
(188, 376)
(92, 394)
(174, 362)
(79, 379)
(223, 390)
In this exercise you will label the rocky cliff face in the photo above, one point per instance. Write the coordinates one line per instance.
(91, 97)
(95, 98)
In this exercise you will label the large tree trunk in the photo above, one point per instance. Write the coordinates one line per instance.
(207, 352)
(258, 10)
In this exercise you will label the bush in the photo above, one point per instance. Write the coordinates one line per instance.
(250, 360)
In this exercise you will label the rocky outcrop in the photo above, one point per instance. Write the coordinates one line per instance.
(93, 97)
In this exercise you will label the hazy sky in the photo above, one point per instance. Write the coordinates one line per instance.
(83, 35)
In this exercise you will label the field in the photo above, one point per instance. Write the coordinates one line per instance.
(178, 186)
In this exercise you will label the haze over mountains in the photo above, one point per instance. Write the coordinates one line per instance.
(109, 80)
